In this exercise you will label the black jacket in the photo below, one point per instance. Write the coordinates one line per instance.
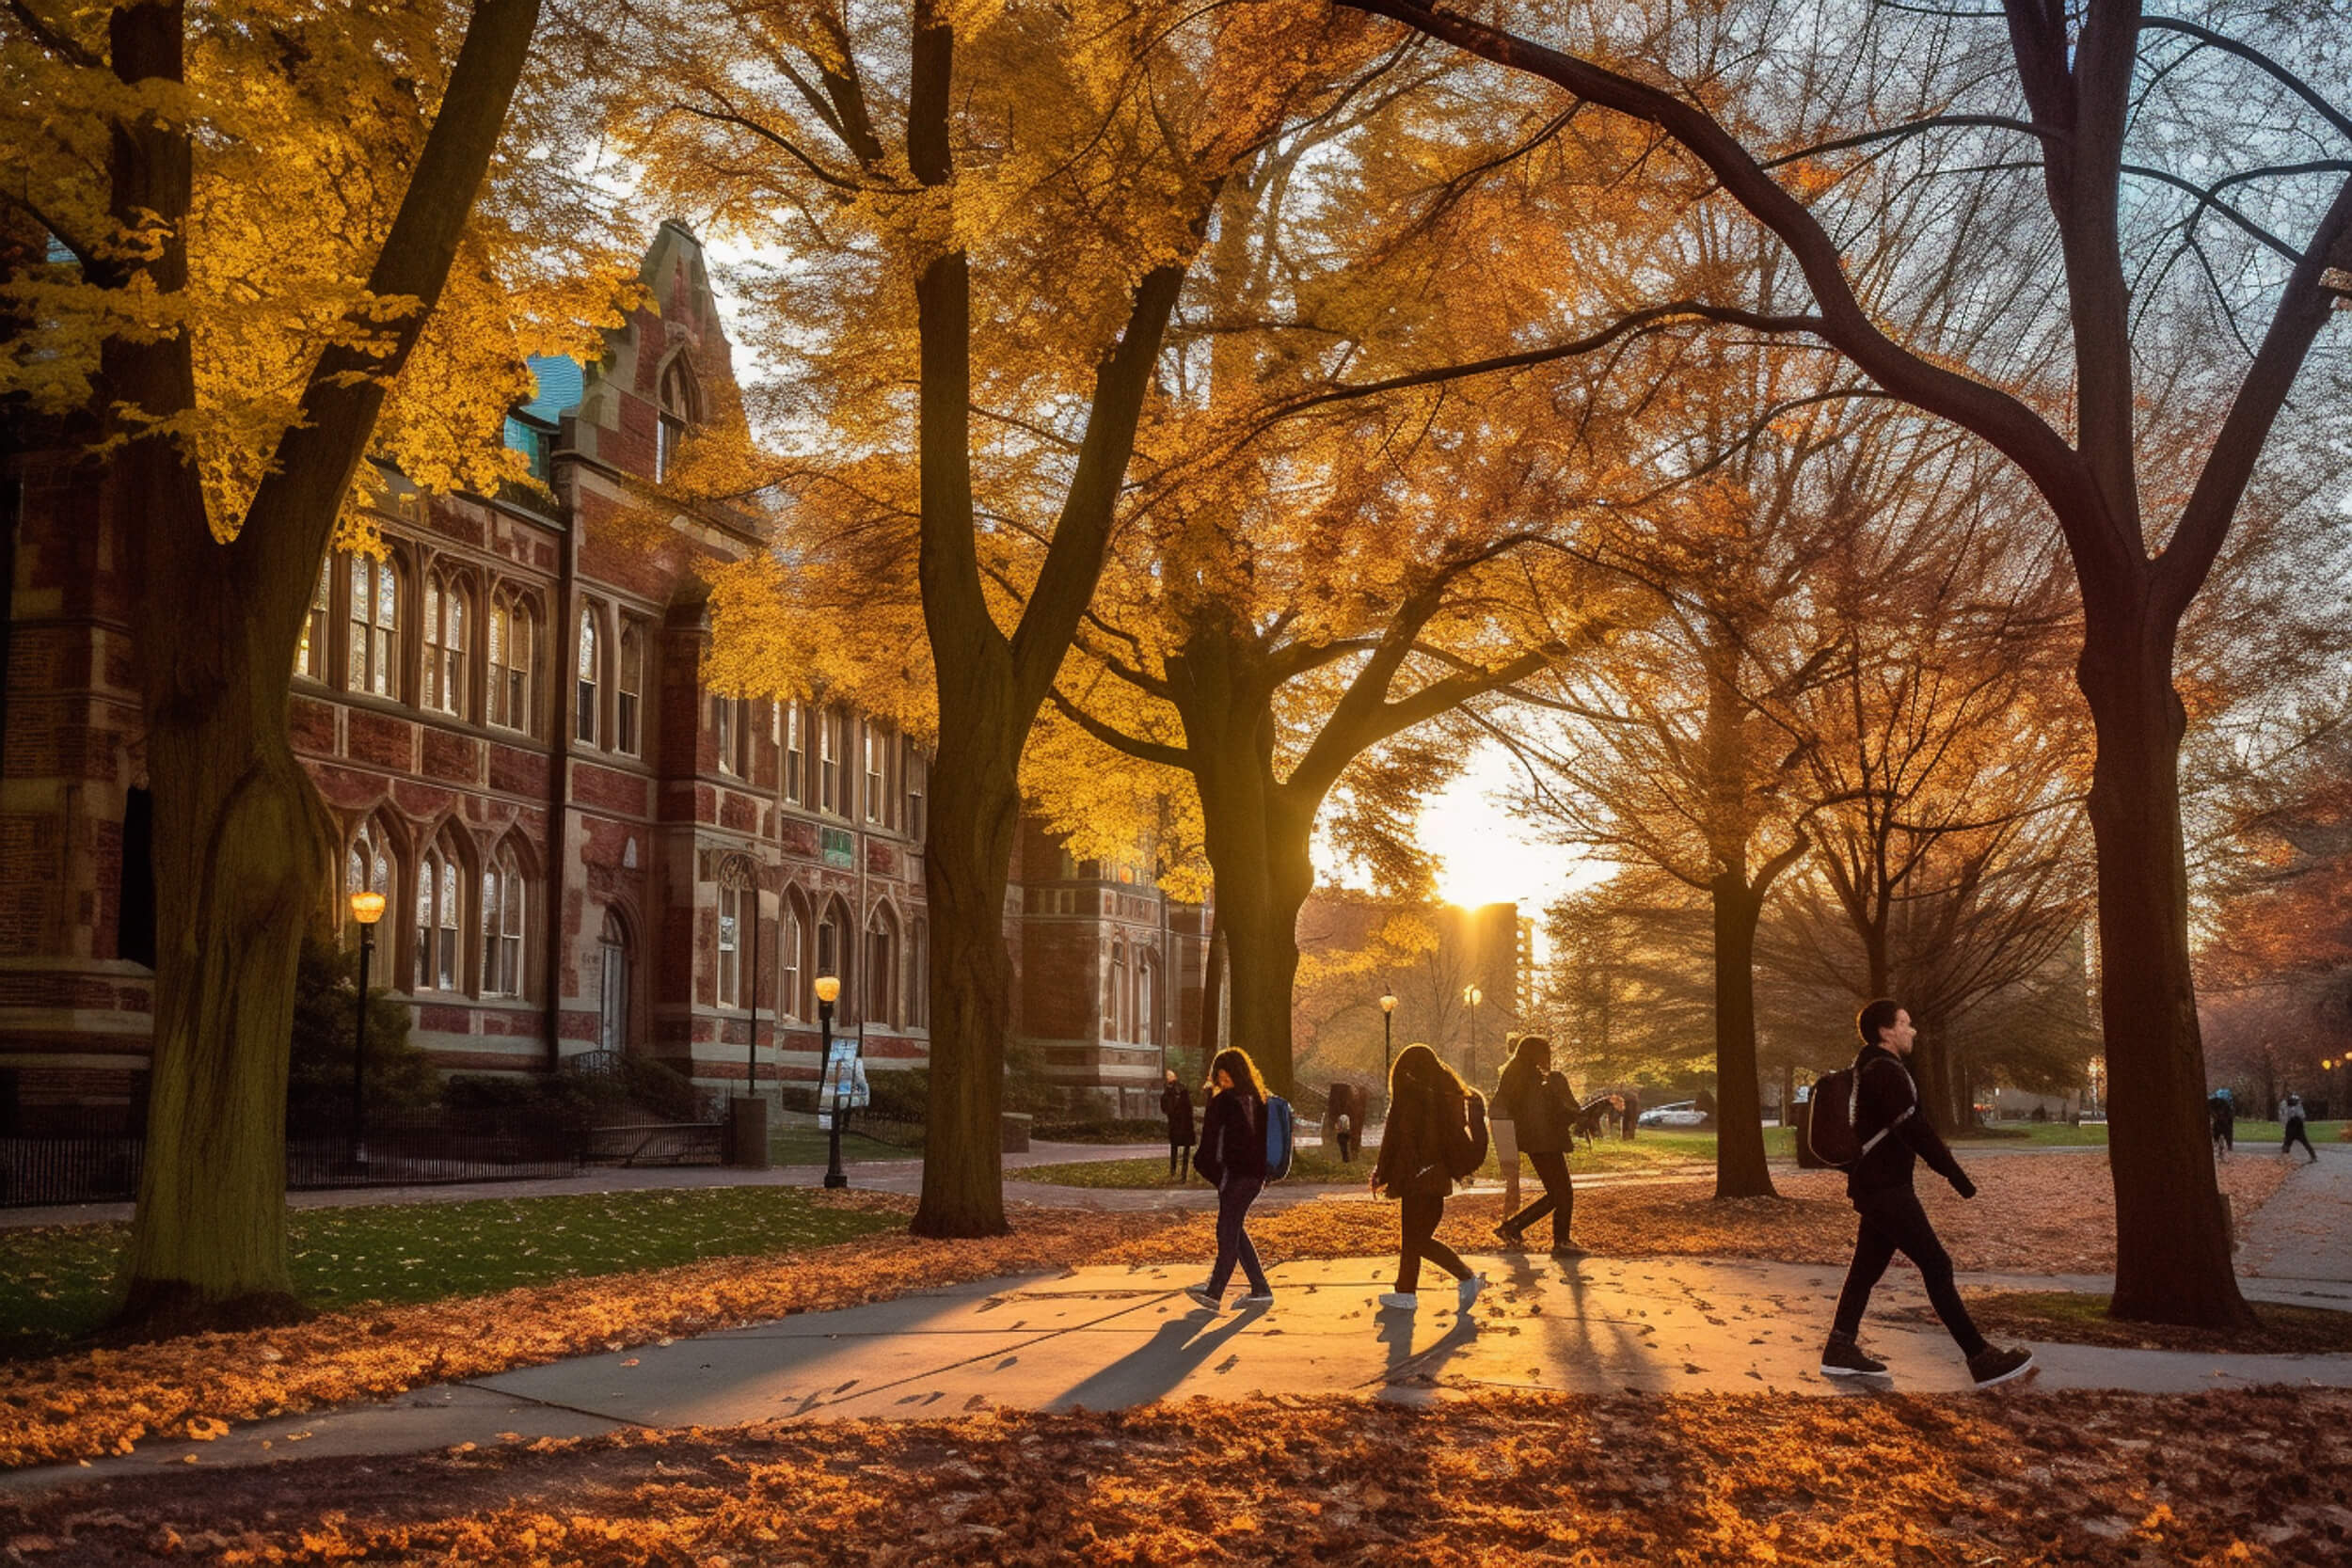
(1423, 1133)
(1176, 1105)
(1233, 1138)
(1886, 1093)
(1542, 1115)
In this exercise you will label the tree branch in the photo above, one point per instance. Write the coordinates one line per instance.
(1118, 739)
(2093, 531)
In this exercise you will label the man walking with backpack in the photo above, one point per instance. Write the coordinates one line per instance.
(1869, 1123)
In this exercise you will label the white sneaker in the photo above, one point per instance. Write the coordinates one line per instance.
(1469, 1289)
(1257, 1298)
(1200, 1297)
(1403, 1301)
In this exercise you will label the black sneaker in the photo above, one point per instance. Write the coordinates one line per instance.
(1509, 1238)
(1993, 1364)
(1843, 1357)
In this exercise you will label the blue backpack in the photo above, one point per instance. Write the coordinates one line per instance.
(1278, 1137)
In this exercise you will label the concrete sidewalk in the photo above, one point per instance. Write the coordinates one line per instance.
(1109, 1338)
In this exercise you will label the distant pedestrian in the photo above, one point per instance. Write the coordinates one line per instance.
(1537, 1103)
(1892, 1136)
(1343, 1131)
(1231, 1158)
(1176, 1105)
(1630, 1114)
(1436, 1132)
(2290, 1127)
(2222, 1113)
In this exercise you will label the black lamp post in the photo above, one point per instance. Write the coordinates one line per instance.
(828, 990)
(1473, 996)
(366, 909)
(1388, 1034)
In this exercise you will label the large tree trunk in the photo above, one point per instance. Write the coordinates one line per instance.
(1740, 1168)
(967, 861)
(2172, 1246)
(242, 847)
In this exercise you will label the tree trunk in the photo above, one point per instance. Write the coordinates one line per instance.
(2172, 1246)
(1740, 1168)
(967, 861)
(242, 847)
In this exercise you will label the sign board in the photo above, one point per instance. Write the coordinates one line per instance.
(844, 1082)
(837, 848)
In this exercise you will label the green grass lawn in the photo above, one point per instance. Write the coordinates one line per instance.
(806, 1146)
(58, 1282)
(1648, 1152)
(2057, 1134)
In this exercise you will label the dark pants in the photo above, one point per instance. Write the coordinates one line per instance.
(1234, 1197)
(1559, 1199)
(1420, 1217)
(1179, 1156)
(1892, 1222)
(2224, 1137)
(1347, 1147)
(2294, 1135)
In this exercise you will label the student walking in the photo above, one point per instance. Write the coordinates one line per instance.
(1176, 1105)
(2290, 1130)
(2223, 1114)
(1536, 1101)
(1893, 1137)
(1629, 1112)
(1231, 1158)
(1437, 1128)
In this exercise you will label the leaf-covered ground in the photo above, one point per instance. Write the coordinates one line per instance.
(2051, 1214)
(2257, 1477)
(2080, 1318)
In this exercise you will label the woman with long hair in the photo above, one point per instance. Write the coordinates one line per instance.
(1538, 1103)
(1231, 1158)
(1436, 1123)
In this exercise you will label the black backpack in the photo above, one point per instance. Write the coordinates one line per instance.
(1466, 1150)
(1837, 1103)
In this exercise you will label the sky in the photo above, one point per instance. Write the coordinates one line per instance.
(1488, 854)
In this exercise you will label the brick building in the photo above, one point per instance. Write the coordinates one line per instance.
(583, 844)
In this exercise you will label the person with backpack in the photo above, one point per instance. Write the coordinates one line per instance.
(1233, 1159)
(1537, 1103)
(1865, 1120)
(1436, 1132)
(2222, 1113)
(2291, 1131)
(1176, 1105)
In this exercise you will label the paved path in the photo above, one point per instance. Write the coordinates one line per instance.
(2305, 1230)
(882, 1176)
(1104, 1337)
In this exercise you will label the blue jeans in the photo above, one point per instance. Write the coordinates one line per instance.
(1235, 1195)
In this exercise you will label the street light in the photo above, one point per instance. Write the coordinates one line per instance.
(828, 991)
(366, 909)
(1388, 1033)
(1473, 996)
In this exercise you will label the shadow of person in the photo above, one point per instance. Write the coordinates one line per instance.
(1177, 1349)
(1403, 1362)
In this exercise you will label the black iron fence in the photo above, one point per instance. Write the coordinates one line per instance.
(72, 1155)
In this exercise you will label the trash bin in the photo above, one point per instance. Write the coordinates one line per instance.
(1015, 1132)
(747, 1132)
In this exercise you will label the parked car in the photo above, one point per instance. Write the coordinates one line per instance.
(1682, 1113)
